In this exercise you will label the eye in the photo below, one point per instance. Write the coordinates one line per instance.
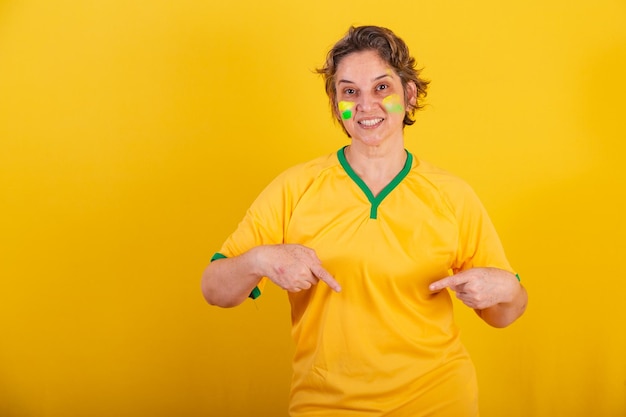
(382, 87)
(349, 91)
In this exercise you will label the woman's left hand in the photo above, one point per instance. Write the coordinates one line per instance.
(480, 287)
(495, 294)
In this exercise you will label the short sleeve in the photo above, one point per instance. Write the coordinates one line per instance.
(479, 244)
(263, 224)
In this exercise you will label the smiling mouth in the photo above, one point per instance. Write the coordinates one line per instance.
(371, 122)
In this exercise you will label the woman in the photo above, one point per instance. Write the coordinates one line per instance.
(388, 235)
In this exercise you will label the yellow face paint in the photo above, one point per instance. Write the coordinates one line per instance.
(393, 104)
(345, 108)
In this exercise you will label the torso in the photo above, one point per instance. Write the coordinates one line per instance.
(385, 332)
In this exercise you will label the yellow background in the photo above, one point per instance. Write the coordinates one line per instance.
(134, 134)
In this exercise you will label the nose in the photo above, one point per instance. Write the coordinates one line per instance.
(366, 102)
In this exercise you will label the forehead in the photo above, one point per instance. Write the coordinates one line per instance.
(362, 63)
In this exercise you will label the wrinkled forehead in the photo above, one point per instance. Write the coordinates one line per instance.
(362, 66)
(365, 57)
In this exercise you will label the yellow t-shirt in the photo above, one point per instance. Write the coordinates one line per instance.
(385, 345)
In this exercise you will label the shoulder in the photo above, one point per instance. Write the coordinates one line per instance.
(440, 179)
(298, 178)
(312, 168)
(454, 191)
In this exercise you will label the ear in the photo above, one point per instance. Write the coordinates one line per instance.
(411, 94)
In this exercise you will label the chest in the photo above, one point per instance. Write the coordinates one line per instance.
(406, 239)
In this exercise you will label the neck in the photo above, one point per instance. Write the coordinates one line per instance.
(376, 166)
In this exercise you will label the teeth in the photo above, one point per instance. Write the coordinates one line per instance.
(370, 122)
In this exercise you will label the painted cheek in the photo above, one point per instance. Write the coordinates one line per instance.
(393, 104)
(345, 108)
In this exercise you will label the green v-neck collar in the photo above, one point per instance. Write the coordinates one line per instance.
(375, 201)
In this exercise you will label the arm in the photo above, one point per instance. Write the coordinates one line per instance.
(228, 282)
(495, 294)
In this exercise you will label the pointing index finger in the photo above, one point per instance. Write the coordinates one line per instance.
(446, 283)
(325, 276)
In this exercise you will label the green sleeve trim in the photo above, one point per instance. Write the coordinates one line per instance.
(256, 292)
(518, 278)
(375, 201)
(217, 256)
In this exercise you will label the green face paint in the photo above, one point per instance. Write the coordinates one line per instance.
(393, 104)
(345, 108)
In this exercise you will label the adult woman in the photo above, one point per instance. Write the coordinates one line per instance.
(383, 230)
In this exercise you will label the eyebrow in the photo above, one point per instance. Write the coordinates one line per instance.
(375, 79)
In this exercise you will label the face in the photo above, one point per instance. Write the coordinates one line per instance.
(370, 98)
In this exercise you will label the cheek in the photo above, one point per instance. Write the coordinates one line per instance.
(393, 103)
(346, 109)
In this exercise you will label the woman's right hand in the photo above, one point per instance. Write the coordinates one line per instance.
(294, 267)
